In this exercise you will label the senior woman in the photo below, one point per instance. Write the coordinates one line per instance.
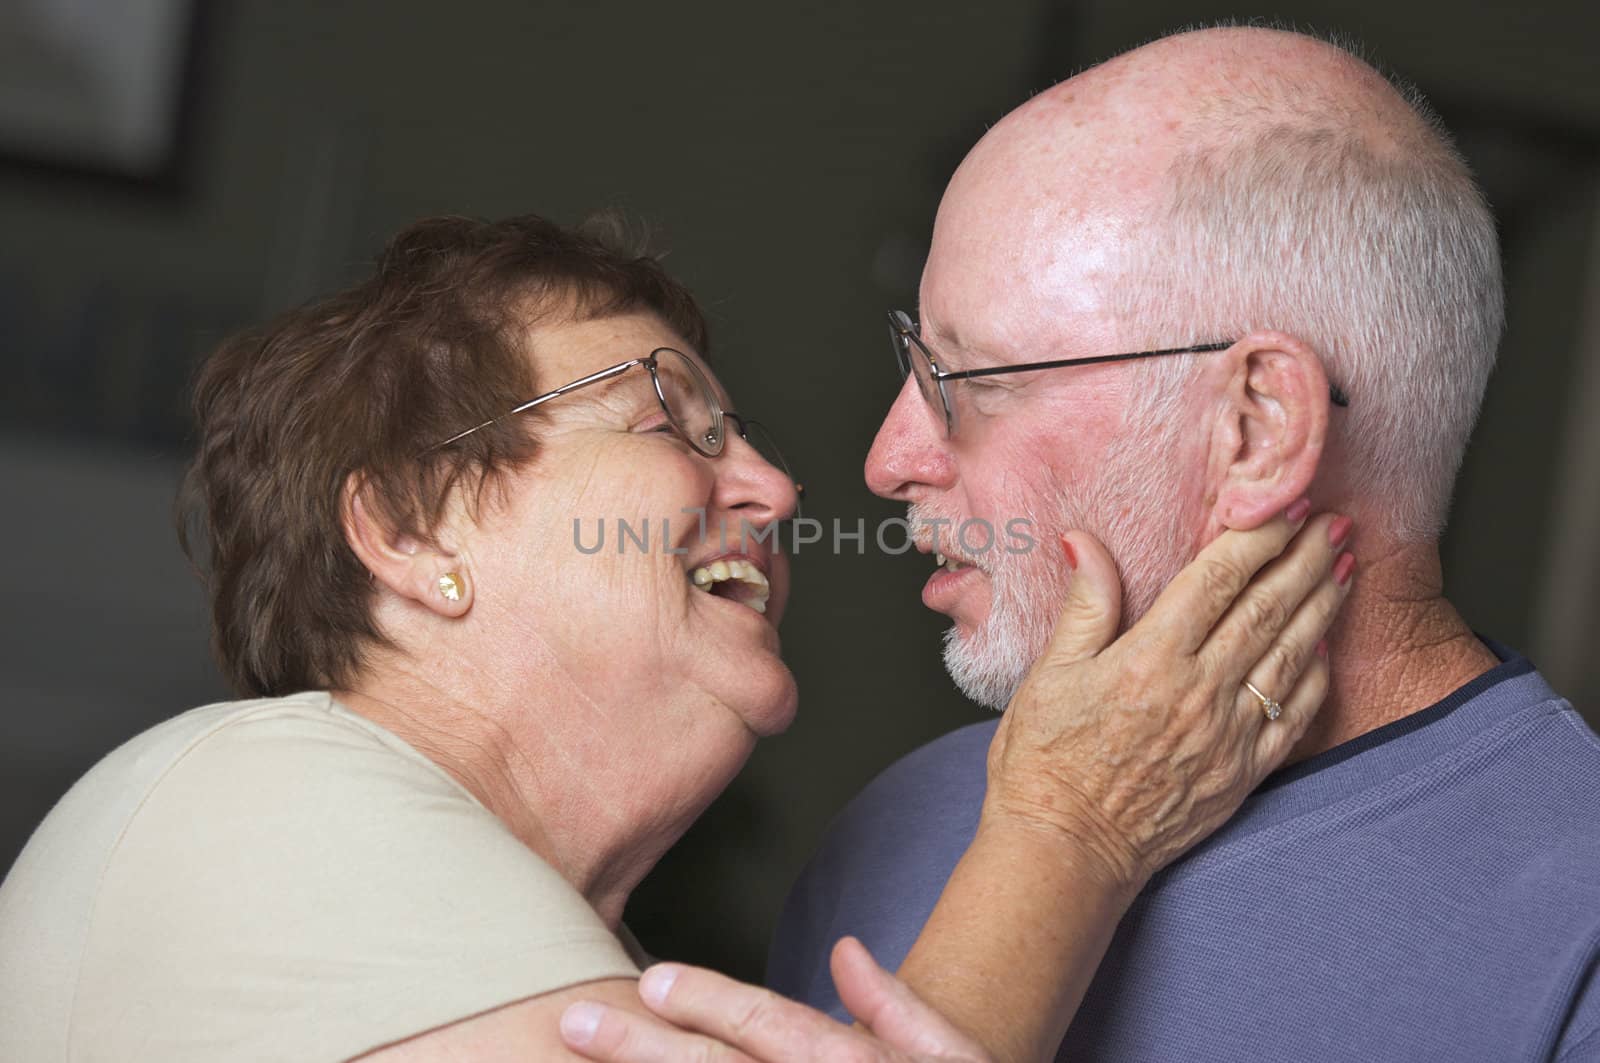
(467, 738)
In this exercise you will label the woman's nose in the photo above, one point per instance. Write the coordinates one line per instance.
(747, 482)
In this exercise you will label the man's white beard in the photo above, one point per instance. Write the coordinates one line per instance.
(1134, 506)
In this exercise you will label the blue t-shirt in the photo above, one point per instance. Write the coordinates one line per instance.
(1427, 891)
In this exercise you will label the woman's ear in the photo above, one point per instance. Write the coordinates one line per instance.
(430, 575)
(1271, 428)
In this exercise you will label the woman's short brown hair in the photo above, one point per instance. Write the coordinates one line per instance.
(360, 384)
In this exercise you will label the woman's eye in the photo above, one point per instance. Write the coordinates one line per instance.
(655, 424)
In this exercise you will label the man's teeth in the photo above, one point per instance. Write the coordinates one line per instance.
(948, 562)
(755, 592)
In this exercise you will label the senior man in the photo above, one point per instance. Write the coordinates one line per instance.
(1308, 283)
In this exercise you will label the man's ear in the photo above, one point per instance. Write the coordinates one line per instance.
(1270, 430)
(431, 575)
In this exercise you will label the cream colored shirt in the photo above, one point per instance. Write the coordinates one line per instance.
(275, 880)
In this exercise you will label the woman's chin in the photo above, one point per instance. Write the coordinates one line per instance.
(773, 708)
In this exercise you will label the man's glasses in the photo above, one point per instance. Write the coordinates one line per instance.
(686, 397)
(914, 359)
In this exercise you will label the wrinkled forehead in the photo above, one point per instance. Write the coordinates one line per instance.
(1033, 232)
(1019, 270)
(565, 348)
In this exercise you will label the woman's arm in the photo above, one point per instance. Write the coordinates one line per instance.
(1112, 760)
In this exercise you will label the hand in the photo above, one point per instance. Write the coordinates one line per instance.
(1140, 747)
(718, 1019)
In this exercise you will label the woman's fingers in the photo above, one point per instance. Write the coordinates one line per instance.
(1253, 625)
(1093, 609)
(1275, 739)
(599, 1031)
(892, 1010)
(1199, 595)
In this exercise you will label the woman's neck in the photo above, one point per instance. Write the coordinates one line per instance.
(544, 768)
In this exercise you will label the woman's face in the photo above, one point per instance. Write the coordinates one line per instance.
(663, 660)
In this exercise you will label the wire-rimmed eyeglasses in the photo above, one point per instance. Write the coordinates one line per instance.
(914, 359)
(686, 397)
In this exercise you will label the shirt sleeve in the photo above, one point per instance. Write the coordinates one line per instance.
(303, 886)
(1580, 1040)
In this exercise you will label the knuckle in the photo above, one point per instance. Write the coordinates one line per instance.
(1221, 578)
(709, 1052)
(1265, 612)
(1282, 661)
(750, 1018)
(857, 1051)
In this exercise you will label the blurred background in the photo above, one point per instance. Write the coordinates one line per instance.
(171, 170)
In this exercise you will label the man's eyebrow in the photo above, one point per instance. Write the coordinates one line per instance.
(953, 353)
(939, 338)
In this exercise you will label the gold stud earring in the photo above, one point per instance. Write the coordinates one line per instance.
(450, 586)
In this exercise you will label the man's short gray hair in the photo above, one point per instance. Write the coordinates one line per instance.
(1377, 248)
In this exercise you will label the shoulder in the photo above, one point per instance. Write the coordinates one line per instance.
(1541, 774)
(883, 863)
(904, 833)
(924, 798)
(305, 881)
(299, 801)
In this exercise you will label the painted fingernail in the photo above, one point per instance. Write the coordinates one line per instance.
(1297, 512)
(1343, 568)
(656, 983)
(1071, 554)
(1322, 648)
(579, 1022)
(1339, 531)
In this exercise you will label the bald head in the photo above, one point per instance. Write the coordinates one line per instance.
(1225, 180)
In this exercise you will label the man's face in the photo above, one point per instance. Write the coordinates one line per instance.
(1076, 447)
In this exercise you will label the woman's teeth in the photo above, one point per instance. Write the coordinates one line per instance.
(752, 587)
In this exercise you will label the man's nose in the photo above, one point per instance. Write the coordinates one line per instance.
(910, 452)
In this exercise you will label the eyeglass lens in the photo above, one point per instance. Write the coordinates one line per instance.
(761, 439)
(914, 361)
(690, 402)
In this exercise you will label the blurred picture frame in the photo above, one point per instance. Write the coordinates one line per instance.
(99, 89)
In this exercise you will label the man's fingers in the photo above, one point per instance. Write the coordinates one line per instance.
(1254, 625)
(755, 1020)
(1089, 620)
(891, 1009)
(1197, 597)
(598, 1031)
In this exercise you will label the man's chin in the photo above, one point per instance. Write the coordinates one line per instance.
(984, 673)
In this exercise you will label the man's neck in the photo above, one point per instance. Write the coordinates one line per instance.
(1398, 647)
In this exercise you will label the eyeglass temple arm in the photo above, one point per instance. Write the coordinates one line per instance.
(1336, 394)
(581, 382)
(744, 424)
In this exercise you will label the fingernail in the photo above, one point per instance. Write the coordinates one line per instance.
(579, 1022)
(1343, 567)
(656, 983)
(1072, 555)
(1322, 648)
(1339, 531)
(1297, 512)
